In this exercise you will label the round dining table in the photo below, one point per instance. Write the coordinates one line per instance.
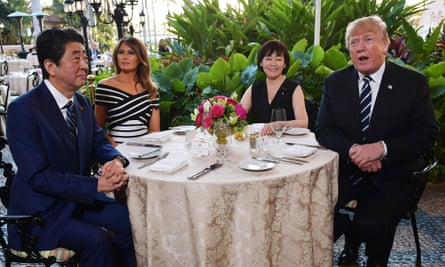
(281, 215)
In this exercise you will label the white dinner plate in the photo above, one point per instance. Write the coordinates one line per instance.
(256, 165)
(297, 131)
(183, 129)
(147, 154)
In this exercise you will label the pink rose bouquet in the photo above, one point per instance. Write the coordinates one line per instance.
(221, 108)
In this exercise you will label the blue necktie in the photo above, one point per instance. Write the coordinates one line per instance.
(71, 120)
(365, 104)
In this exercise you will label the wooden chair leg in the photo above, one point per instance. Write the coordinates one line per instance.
(416, 239)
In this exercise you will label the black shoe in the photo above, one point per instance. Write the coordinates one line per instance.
(348, 257)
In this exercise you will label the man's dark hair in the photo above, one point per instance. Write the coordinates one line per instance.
(51, 44)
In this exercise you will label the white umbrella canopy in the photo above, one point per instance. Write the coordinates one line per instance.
(18, 14)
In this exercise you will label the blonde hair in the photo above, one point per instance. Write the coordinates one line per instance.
(370, 22)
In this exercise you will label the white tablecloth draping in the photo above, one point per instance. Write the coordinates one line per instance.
(18, 65)
(230, 216)
(19, 82)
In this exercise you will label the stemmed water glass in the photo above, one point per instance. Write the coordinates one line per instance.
(278, 118)
(222, 139)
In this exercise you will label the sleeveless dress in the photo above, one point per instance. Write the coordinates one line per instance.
(261, 109)
(128, 115)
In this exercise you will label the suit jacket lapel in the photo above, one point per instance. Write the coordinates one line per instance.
(355, 101)
(81, 131)
(380, 104)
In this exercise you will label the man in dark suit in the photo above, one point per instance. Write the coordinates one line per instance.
(380, 139)
(54, 162)
(94, 50)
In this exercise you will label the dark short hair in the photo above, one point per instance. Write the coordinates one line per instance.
(271, 46)
(51, 44)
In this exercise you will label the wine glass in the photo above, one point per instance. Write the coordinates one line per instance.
(278, 118)
(222, 139)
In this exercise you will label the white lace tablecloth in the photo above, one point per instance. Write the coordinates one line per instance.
(233, 217)
(19, 82)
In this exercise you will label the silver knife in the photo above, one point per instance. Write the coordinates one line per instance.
(163, 156)
(205, 170)
(266, 159)
(308, 145)
(148, 153)
(142, 144)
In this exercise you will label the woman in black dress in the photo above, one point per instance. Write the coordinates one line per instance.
(276, 91)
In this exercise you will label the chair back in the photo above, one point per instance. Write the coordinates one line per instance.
(312, 111)
(4, 102)
(418, 181)
(4, 68)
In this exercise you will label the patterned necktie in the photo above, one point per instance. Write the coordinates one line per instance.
(71, 119)
(365, 104)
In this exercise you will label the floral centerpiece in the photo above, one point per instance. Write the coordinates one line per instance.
(220, 108)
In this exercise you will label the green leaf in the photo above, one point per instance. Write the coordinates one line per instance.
(412, 39)
(178, 86)
(437, 82)
(238, 62)
(203, 80)
(300, 46)
(186, 64)
(232, 84)
(174, 71)
(435, 70)
(293, 69)
(334, 59)
(323, 71)
(317, 55)
(190, 78)
(219, 71)
(248, 75)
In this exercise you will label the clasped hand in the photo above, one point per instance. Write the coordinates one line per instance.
(113, 176)
(367, 157)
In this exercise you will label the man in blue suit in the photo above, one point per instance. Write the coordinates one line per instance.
(380, 138)
(54, 165)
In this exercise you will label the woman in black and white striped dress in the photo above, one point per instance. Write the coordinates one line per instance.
(127, 104)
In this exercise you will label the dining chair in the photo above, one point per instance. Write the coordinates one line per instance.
(22, 223)
(4, 102)
(4, 68)
(312, 111)
(35, 80)
(418, 182)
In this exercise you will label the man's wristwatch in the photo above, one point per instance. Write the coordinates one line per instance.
(124, 160)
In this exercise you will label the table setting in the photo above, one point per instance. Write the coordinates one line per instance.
(262, 205)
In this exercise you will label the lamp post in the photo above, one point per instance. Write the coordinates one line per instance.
(119, 15)
(2, 27)
(77, 7)
(18, 16)
(141, 21)
(39, 15)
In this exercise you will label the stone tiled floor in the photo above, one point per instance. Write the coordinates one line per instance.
(431, 225)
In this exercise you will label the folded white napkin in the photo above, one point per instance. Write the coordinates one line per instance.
(157, 137)
(168, 165)
(299, 151)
